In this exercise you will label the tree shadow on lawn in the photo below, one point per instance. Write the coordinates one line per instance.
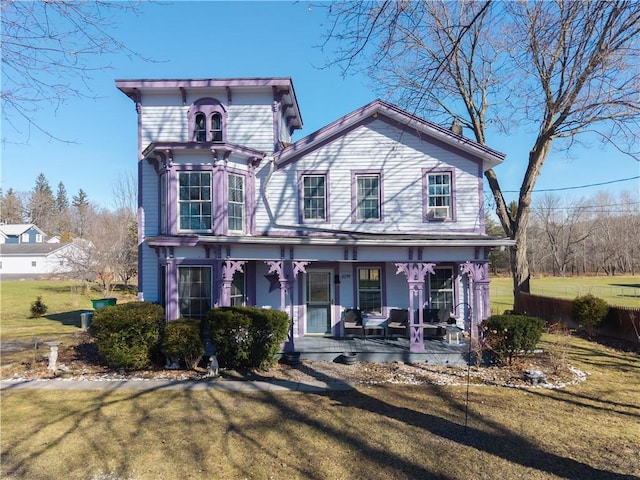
(628, 285)
(499, 441)
(71, 318)
(228, 428)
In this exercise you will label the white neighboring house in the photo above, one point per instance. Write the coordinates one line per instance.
(24, 252)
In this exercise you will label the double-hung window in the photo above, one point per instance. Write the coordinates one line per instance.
(235, 203)
(238, 290)
(194, 291)
(194, 201)
(314, 197)
(370, 289)
(367, 197)
(439, 196)
(441, 291)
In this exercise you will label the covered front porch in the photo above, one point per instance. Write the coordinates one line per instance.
(378, 349)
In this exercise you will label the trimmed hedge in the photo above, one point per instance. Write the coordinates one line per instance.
(129, 335)
(182, 339)
(247, 337)
(508, 335)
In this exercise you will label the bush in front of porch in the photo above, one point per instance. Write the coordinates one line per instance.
(507, 336)
(247, 337)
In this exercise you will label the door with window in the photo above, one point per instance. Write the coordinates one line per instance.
(319, 302)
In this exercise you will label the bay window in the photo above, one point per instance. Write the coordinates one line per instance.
(194, 201)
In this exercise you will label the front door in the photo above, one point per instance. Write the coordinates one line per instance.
(319, 302)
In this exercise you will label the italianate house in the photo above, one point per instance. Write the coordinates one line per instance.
(375, 213)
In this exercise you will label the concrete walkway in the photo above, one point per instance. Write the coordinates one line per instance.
(212, 385)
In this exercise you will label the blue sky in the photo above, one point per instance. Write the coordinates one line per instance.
(239, 39)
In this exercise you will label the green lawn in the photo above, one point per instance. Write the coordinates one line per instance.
(623, 291)
(65, 300)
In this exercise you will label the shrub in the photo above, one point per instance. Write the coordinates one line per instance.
(589, 311)
(129, 335)
(38, 308)
(247, 337)
(182, 340)
(508, 335)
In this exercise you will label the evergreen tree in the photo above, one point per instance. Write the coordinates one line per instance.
(62, 200)
(42, 205)
(63, 222)
(82, 209)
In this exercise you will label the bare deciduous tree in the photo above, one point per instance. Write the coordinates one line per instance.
(48, 53)
(559, 68)
(564, 228)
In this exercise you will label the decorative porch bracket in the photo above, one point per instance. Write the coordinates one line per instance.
(478, 275)
(416, 274)
(229, 267)
(287, 271)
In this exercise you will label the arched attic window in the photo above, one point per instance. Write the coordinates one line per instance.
(207, 121)
(200, 129)
(216, 127)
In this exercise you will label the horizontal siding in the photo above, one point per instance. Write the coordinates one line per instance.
(150, 195)
(376, 147)
(249, 119)
(251, 126)
(150, 275)
(164, 124)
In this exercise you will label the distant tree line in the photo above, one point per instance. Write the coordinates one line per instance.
(590, 236)
(106, 239)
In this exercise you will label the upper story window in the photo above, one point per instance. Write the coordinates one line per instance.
(200, 130)
(194, 201)
(216, 127)
(235, 203)
(314, 197)
(370, 289)
(368, 197)
(163, 203)
(25, 238)
(207, 121)
(439, 193)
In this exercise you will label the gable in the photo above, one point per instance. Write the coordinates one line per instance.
(406, 124)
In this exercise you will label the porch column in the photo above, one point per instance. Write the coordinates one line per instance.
(229, 267)
(287, 271)
(478, 275)
(416, 274)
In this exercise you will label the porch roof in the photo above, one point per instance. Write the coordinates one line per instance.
(345, 240)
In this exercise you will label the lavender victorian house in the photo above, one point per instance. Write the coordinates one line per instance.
(378, 210)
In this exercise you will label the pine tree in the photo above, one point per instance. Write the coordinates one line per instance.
(42, 205)
(82, 207)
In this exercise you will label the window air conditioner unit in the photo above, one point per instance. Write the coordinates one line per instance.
(439, 213)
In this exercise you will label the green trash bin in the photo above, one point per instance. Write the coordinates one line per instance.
(100, 303)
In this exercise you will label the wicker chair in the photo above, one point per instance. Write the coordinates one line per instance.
(398, 322)
(352, 322)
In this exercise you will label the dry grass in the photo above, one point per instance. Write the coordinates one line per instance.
(587, 431)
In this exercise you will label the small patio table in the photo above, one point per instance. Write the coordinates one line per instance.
(374, 324)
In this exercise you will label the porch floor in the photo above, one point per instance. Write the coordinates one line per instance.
(380, 350)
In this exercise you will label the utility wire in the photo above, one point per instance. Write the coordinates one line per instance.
(576, 187)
